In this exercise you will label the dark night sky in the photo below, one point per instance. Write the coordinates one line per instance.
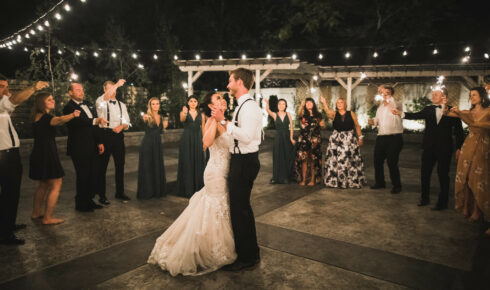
(466, 23)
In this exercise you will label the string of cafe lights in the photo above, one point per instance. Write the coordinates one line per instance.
(42, 24)
(38, 26)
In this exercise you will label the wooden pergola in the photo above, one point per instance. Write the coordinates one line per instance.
(347, 76)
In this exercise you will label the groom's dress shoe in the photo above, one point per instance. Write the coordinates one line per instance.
(239, 265)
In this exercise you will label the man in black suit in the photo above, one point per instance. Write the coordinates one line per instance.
(83, 146)
(437, 145)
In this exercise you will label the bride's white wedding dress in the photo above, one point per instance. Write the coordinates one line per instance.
(201, 239)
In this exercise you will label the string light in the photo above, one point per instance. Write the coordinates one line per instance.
(73, 77)
(176, 57)
(46, 23)
(466, 59)
(269, 56)
(155, 57)
(486, 55)
(25, 49)
(198, 57)
(435, 51)
(57, 16)
(315, 77)
(77, 53)
(294, 56)
(185, 86)
(467, 49)
(42, 50)
(363, 75)
(320, 56)
(114, 55)
(96, 54)
(141, 66)
(33, 32)
(220, 57)
(134, 55)
(375, 54)
(347, 55)
(27, 36)
(67, 8)
(40, 28)
(83, 1)
(405, 53)
(244, 56)
(60, 52)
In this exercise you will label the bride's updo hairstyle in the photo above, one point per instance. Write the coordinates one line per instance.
(207, 100)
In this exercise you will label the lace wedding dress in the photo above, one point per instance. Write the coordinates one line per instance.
(201, 239)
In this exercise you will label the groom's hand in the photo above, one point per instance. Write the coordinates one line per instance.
(218, 114)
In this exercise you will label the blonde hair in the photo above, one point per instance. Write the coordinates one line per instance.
(151, 120)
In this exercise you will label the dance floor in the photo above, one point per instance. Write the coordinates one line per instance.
(310, 237)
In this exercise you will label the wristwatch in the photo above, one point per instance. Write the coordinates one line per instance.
(223, 122)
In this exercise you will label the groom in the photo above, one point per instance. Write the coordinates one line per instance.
(246, 129)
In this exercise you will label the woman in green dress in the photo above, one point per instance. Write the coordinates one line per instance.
(283, 153)
(191, 154)
(151, 168)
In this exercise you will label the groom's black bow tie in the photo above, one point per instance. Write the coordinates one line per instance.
(112, 102)
(437, 106)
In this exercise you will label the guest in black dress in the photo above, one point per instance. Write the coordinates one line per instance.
(191, 153)
(44, 162)
(151, 169)
(343, 166)
(283, 153)
(309, 154)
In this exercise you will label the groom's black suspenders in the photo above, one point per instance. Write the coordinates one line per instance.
(236, 124)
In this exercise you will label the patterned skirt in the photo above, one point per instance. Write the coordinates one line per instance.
(343, 166)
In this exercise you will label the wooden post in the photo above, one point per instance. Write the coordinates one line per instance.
(190, 89)
(257, 86)
(349, 92)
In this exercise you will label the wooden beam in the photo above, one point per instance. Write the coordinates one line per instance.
(358, 81)
(265, 74)
(197, 75)
(341, 82)
(470, 81)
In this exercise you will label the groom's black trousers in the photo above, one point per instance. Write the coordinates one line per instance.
(243, 171)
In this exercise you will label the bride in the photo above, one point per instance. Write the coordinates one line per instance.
(201, 239)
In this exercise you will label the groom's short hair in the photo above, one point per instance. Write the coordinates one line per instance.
(243, 74)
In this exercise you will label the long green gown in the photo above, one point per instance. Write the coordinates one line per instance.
(283, 153)
(151, 169)
(191, 158)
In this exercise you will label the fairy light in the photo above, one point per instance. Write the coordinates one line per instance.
(176, 57)
(57, 16)
(77, 53)
(220, 57)
(466, 59)
(375, 54)
(155, 57)
(83, 1)
(46, 23)
(294, 56)
(134, 56)
(40, 28)
(25, 49)
(14, 42)
(60, 52)
(363, 75)
(114, 55)
(485, 55)
(185, 86)
(269, 56)
(96, 54)
(467, 49)
(244, 56)
(142, 114)
(405, 53)
(141, 66)
(435, 51)
(73, 77)
(198, 57)
(320, 56)
(32, 31)
(315, 78)
(27, 36)
(42, 50)
(347, 55)
(67, 8)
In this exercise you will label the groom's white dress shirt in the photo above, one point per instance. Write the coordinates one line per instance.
(249, 129)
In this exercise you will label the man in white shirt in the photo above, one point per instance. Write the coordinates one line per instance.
(389, 141)
(246, 129)
(10, 164)
(116, 114)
